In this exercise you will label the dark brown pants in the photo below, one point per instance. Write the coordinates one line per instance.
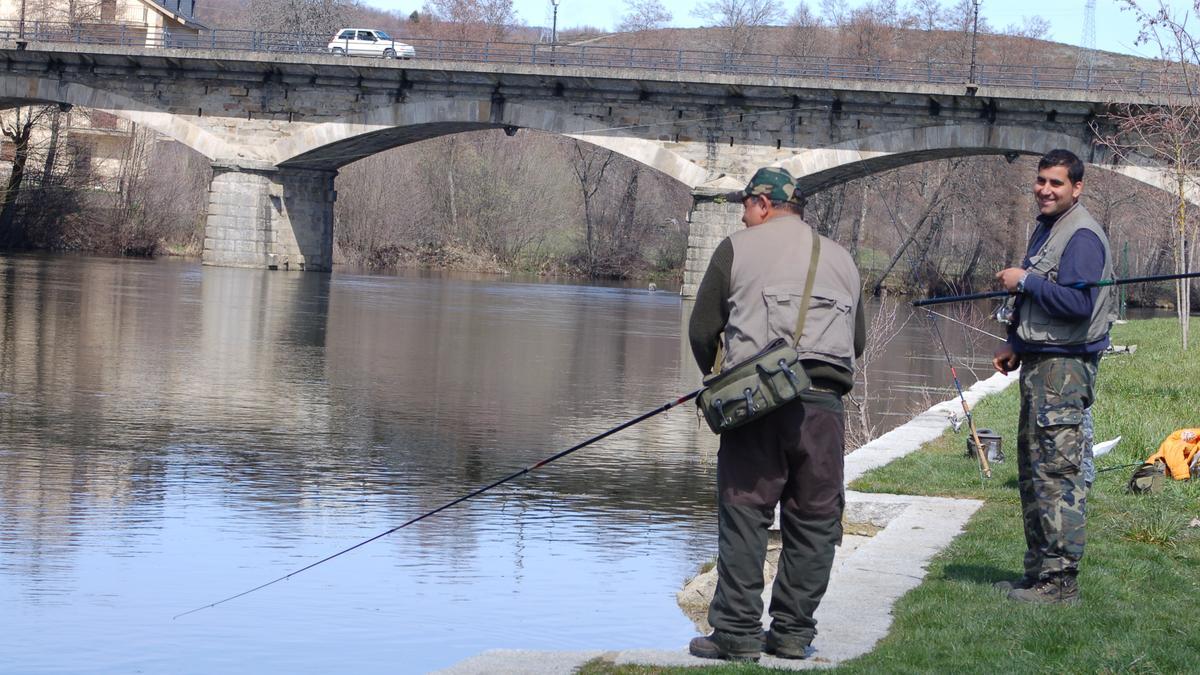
(792, 457)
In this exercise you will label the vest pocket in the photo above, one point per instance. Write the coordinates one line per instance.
(828, 328)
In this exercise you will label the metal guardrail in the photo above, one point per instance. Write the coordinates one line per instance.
(603, 56)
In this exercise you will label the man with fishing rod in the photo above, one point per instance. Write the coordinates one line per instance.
(1056, 334)
(776, 283)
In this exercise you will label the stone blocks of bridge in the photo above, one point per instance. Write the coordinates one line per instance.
(708, 223)
(268, 218)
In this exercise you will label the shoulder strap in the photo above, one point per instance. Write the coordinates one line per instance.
(804, 302)
(808, 286)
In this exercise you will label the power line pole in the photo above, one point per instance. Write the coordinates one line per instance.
(974, 40)
(554, 25)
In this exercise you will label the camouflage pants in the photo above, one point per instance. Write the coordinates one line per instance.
(1053, 450)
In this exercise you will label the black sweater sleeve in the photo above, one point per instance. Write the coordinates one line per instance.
(712, 307)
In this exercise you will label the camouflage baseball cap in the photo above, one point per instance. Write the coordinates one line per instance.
(772, 181)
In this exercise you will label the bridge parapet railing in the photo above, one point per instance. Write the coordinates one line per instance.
(634, 58)
(89, 33)
(1080, 78)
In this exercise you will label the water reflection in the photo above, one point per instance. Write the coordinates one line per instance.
(170, 435)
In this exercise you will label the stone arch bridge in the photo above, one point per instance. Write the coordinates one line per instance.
(277, 129)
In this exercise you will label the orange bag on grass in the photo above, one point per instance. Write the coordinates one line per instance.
(1179, 453)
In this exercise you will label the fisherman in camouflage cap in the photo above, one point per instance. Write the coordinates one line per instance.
(792, 457)
(772, 182)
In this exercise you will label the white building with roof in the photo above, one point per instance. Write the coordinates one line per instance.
(148, 22)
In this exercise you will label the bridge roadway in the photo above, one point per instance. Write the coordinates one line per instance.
(278, 127)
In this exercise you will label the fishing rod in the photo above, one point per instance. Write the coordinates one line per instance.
(624, 425)
(1119, 466)
(1081, 285)
(985, 468)
(964, 324)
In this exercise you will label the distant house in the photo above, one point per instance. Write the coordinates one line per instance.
(94, 140)
(105, 20)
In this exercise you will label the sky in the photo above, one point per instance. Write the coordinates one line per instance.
(1116, 30)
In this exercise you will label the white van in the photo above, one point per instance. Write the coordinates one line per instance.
(369, 42)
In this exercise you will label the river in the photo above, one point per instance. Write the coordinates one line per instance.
(172, 435)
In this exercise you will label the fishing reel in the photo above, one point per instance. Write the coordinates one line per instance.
(1004, 314)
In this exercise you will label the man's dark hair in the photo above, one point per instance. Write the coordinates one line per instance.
(792, 206)
(1066, 158)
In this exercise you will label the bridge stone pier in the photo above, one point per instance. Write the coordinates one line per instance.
(269, 217)
(278, 127)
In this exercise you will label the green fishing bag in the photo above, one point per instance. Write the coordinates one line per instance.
(749, 390)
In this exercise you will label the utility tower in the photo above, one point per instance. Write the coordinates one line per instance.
(1087, 44)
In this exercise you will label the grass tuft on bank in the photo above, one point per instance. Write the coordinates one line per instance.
(1140, 578)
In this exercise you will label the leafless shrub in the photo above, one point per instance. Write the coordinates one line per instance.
(644, 15)
(1169, 133)
(884, 326)
(737, 19)
(806, 33)
(299, 16)
(154, 204)
(471, 19)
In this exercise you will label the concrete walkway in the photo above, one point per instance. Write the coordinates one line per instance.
(856, 612)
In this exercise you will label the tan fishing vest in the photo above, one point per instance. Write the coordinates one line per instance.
(770, 263)
(1038, 327)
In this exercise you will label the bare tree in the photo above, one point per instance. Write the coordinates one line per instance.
(131, 230)
(872, 31)
(1170, 133)
(18, 126)
(590, 164)
(824, 210)
(153, 204)
(301, 16)
(473, 19)
(60, 11)
(961, 17)
(737, 18)
(961, 20)
(480, 200)
(1031, 27)
(929, 15)
(835, 12)
(883, 327)
(644, 15)
(859, 219)
(619, 239)
(933, 197)
(485, 183)
(806, 27)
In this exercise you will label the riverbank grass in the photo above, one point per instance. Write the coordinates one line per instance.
(1139, 579)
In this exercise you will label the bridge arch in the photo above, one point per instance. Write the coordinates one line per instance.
(40, 90)
(333, 144)
(823, 167)
(820, 168)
